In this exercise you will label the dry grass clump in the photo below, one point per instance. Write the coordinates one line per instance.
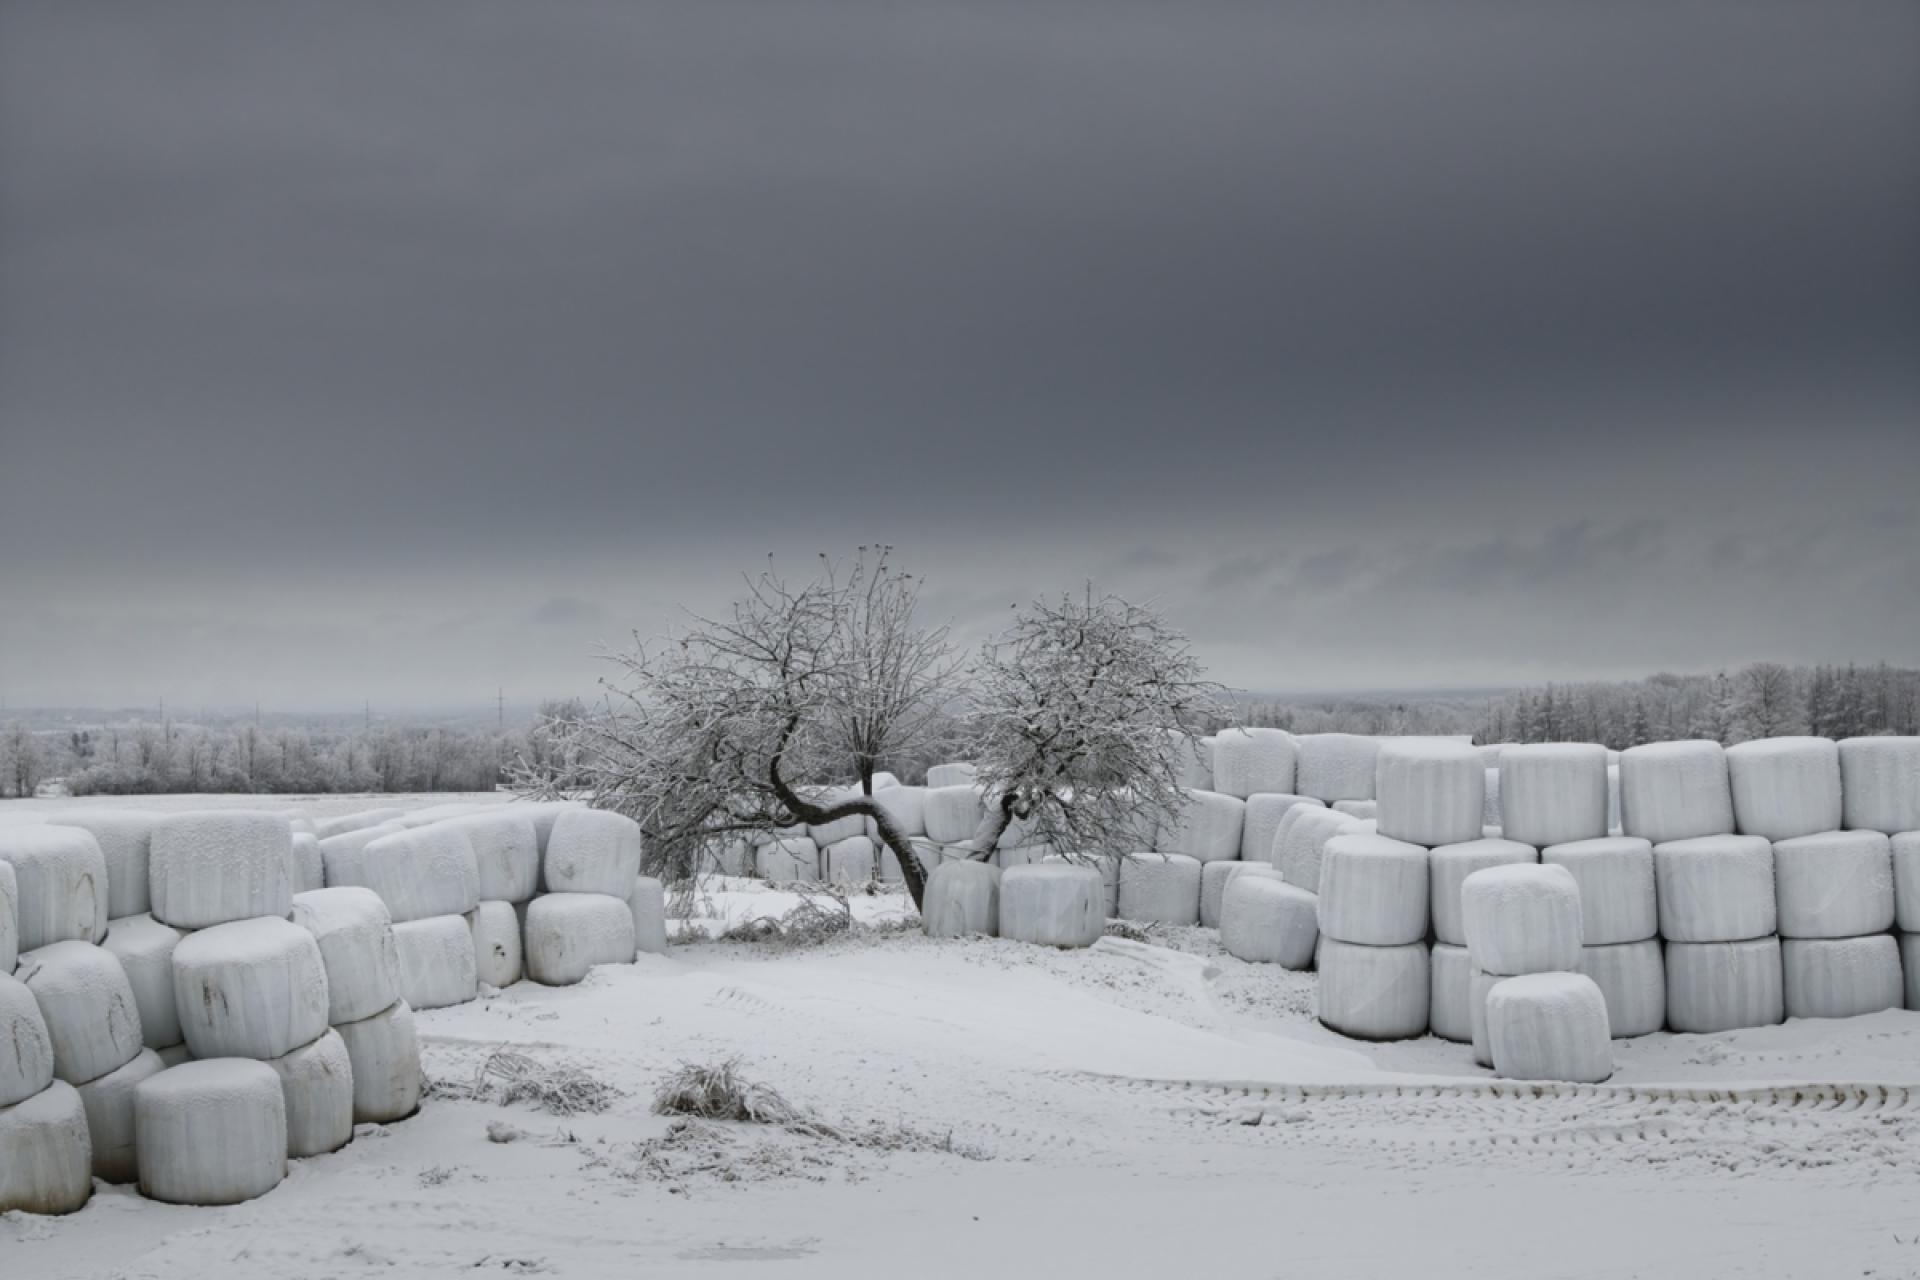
(507, 1077)
(717, 1091)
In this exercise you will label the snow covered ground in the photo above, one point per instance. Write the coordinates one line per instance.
(1135, 1110)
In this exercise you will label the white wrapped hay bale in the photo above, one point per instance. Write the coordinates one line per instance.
(125, 837)
(384, 1052)
(828, 833)
(342, 856)
(1214, 878)
(220, 866)
(438, 966)
(569, 933)
(1366, 810)
(1300, 843)
(648, 905)
(506, 853)
(1374, 993)
(1265, 920)
(851, 861)
(174, 1055)
(544, 814)
(46, 1154)
(1490, 806)
(354, 932)
(1247, 762)
(1206, 829)
(1880, 784)
(421, 872)
(1448, 868)
(495, 927)
(1430, 793)
(907, 806)
(1335, 766)
(88, 1007)
(1906, 880)
(1161, 888)
(250, 989)
(591, 851)
(1633, 978)
(26, 1049)
(1479, 985)
(1840, 977)
(962, 897)
(1613, 796)
(326, 828)
(954, 774)
(306, 866)
(1910, 965)
(1522, 919)
(1553, 793)
(9, 918)
(1052, 905)
(1549, 1026)
(1260, 823)
(1715, 888)
(952, 814)
(1107, 865)
(1838, 884)
(1373, 891)
(60, 884)
(316, 1082)
(1723, 986)
(211, 1133)
(1675, 791)
(788, 861)
(1450, 1011)
(108, 1103)
(1785, 787)
(1028, 855)
(144, 948)
(1617, 898)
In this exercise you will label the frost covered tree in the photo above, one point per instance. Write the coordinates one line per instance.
(1767, 700)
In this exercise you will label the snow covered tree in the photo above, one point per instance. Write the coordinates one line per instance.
(1767, 705)
(1719, 716)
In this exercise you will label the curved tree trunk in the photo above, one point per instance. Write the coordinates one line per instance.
(861, 806)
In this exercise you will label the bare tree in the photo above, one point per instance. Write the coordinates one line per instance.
(1767, 699)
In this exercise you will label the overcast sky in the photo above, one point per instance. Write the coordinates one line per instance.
(404, 351)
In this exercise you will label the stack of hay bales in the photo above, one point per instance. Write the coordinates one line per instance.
(907, 807)
(1170, 887)
(1250, 762)
(429, 877)
(956, 774)
(1881, 788)
(1449, 865)
(585, 918)
(372, 1021)
(1619, 927)
(46, 1152)
(1373, 913)
(1335, 766)
(1535, 1016)
(1265, 920)
(506, 853)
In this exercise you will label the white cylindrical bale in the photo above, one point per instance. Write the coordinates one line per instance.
(591, 851)
(1880, 784)
(1785, 787)
(962, 897)
(1248, 762)
(1206, 829)
(438, 966)
(316, 1081)
(1613, 796)
(1490, 807)
(211, 1133)
(795, 859)
(421, 872)
(907, 806)
(1448, 868)
(1840, 977)
(384, 1051)
(1214, 879)
(1374, 993)
(59, 885)
(1838, 884)
(91, 1018)
(9, 918)
(1161, 888)
(569, 933)
(1715, 888)
(1265, 920)
(648, 905)
(1633, 978)
(1479, 984)
(1723, 986)
(952, 814)
(1906, 880)
(828, 833)
(342, 856)
(1053, 904)
(108, 1103)
(306, 865)
(506, 853)
(1549, 1026)
(1430, 793)
(1107, 866)
(326, 828)
(1675, 791)
(495, 927)
(354, 932)
(1301, 841)
(851, 861)
(125, 837)
(1335, 766)
(958, 773)
(1553, 793)
(1373, 891)
(1522, 919)
(144, 948)
(1617, 898)
(26, 1048)
(1450, 1011)
(249, 989)
(46, 1153)
(1261, 823)
(1910, 965)
(219, 866)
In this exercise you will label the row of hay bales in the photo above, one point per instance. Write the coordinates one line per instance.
(196, 997)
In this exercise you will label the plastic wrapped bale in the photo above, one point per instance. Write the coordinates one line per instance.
(907, 806)
(60, 884)
(592, 851)
(1490, 806)
(419, 873)
(1374, 993)
(1479, 985)
(144, 948)
(1785, 787)
(174, 1055)
(9, 918)
(544, 814)
(1840, 977)
(46, 1154)
(88, 1007)
(1053, 905)
(1675, 791)
(1373, 891)
(1265, 920)
(384, 1051)
(220, 866)
(826, 833)
(731, 857)
(326, 828)
(1723, 986)
(1522, 919)
(250, 989)
(1633, 978)
(1300, 843)
(506, 853)
(1906, 880)
(108, 1103)
(882, 780)
(569, 933)
(211, 1133)
(125, 837)
(955, 774)
(962, 897)
(1247, 762)
(1366, 810)
(496, 943)
(788, 861)
(1615, 875)
(648, 905)
(851, 861)
(354, 932)
(1613, 798)
(1550, 1026)
(1335, 766)
(1261, 823)
(952, 814)
(1450, 1012)
(1880, 784)
(1838, 884)
(1430, 793)
(1910, 965)
(1715, 888)
(26, 1049)
(1107, 865)
(341, 856)
(316, 1081)
(305, 864)
(1553, 793)
(438, 965)
(1214, 879)
(1025, 855)
(1448, 868)
(1160, 888)
(1207, 828)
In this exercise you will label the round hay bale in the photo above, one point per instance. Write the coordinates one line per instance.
(1880, 784)
(26, 1048)
(958, 773)
(1715, 888)
(592, 851)
(1448, 868)
(108, 1103)
(788, 861)
(316, 1081)
(144, 948)
(1053, 905)
(1300, 843)
(1335, 766)
(306, 866)
(1214, 879)
(1906, 880)
(354, 932)
(1553, 793)
(569, 933)
(419, 873)
(1785, 787)
(1373, 891)
(1247, 762)
(1207, 828)
(1910, 965)
(506, 853)
(384, 1052)
(1613, 798)
(826, 833)
(250, 989)
(1675, 791)
(1450, 1012)
(1490, 807)
(1162, 888)
(211, 1133)
(1633, 978)
(1479, 984)
(326, 828)
(1522, 919)
(1615, 875)
(46, 1153)
(1374, 993)
(1261, 823)
(1430, 793)
(1838, 884)
(648, 905)
(1265, 920)
(1107, 865)
(219, 866)
(1550, 1026)
(90, 1015)
(907, 806)
(851, 861)
(952, 814)
(342, 857)
(9, 918)
(60, 885)
(962, 897)
(1840, 977)
(438, 966)
(495, 927)
(174, 1055)
(125, 837)
(1723, 986)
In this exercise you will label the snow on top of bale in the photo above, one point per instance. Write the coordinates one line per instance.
(1248, 762)
(219, 865)
(1335, 766)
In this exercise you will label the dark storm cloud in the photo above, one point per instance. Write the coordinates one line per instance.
(515, 324)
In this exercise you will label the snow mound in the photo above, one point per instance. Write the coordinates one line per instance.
(316, 1084)
(144, 948)
(219, 866)
(1335, 766)
(1785, 787)
(1615, 875)
(1448, 868)
(438, 966)
(91, 1018)
(1161, 888)
(1633, 978)
(1053, 905)
(1675, 791)
(1549, 1026)
(1723, 986)
(567, 934)
(1373, 891)
(962, 897)
(1374, 993)
(1247, 762)
(1206, 829)
(495, 927)
(591, 851)
(1838, 884)
(250, 989)
(1265, 920)
(1715, 888)
(1553, 793)
(384, 1051)
(46, 1155)
(60, 884)
(1430, 792)
(211, 1133)
(1840, 977)
(354, 932)
(1522, 919)
(1880, 783)
(125, 837)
